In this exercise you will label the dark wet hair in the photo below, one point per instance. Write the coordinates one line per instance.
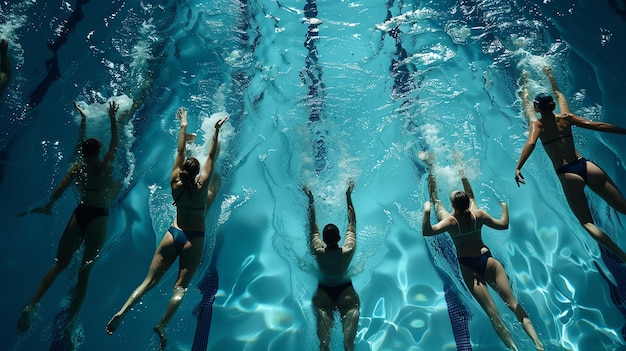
(191, 168)
(460, 201)
(90, 148)
(330, 234)
(545, 102)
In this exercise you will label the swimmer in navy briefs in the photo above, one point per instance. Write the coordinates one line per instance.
(477, 265)
(193, 194)
(334, 290)
(93, 178)
(574, 171)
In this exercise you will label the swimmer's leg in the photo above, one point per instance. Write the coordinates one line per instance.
(560, 98)
(161, 262)
(188, 263)
(349, 307)
(94, 240)
(323, 307)
(68, 244)
(479, 290)
(172, 307)
(573, 188)
(160, 331)
(499, 281)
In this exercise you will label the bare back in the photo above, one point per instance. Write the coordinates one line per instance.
(334, 263)
(466, 233)
(95, 183)
(558, 141)
(190, 205)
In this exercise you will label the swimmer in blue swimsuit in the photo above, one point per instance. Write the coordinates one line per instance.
(477, 265)
(334, 290)
(88, 224)
(574, 171)
(193, 190)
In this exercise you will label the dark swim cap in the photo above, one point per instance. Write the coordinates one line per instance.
(544, 102)
(460, 201)
(330, 234)
(91, 148)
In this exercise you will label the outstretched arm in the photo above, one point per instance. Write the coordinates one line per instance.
(350, 242)
(58, 191)
(467, 187)
(440, 211)
(181, 114)
(560, 98)
(430, 230)
(110, 155)
(527, 104)
(500, 224)
(598, 126)
(82, 131)
(207, 169)
(535, 131)
(429, 159)
(317, 245)
(214, 189)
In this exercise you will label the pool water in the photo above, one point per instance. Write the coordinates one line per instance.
(318, 93)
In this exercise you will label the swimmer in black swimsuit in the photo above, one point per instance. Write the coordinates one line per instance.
(5, 66)
(477, 265)
(193, 195)
(574, 171)
(88, 223)
(335, 290)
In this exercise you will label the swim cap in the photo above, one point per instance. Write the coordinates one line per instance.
(330, 234)
(544, 102)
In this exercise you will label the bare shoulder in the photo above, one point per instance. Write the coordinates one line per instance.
(480, 214)
(537, 124)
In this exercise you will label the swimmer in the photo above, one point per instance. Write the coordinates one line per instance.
(88, 224)
(193, 194)
(5, 65)
(477, 265)
(574, 171)
(335, 290)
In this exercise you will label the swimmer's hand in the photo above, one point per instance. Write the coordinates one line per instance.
(519, 178)
(181, 114)
(219, 123)
(308, 193)
(113, 108)
(82, 113)
(427, 206)
(350, 187)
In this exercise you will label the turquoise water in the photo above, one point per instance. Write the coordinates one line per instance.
(357, 104)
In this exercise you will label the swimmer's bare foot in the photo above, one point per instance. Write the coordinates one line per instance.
(24, 322)
(113, 324)
(161, 333)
